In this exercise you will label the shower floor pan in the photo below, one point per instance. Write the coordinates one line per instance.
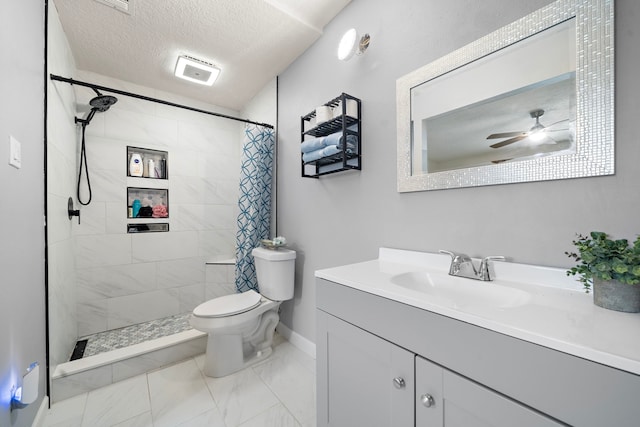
(112, 356)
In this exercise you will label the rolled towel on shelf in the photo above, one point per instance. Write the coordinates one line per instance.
(324, 113)
(335, 139)
(323, 152)
(318, 154)
(313, 145)
(352, 142)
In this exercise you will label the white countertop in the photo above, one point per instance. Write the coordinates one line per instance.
(558, 314)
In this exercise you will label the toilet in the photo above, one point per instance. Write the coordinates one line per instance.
(240, 327)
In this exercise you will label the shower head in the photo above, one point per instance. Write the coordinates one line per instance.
(102, 103)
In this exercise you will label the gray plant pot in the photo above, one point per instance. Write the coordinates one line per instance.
(614, 295)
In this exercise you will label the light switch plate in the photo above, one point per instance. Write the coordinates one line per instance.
(15, 154)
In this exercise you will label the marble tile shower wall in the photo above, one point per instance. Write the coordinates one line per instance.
(219, 280)
(124, 279)
(61, 158)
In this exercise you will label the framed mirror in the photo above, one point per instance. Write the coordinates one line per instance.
(531, 101)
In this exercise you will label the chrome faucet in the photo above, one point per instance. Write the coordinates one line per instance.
(463, 266)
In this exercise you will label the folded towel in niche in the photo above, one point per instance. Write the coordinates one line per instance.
(335, 139)
(323, 152)
(145, 212)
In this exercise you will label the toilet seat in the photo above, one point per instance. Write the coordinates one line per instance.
(228, 305)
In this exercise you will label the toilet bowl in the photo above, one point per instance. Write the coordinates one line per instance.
(240, 327)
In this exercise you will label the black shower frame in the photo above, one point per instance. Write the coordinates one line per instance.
(54, 77)
(156, 100)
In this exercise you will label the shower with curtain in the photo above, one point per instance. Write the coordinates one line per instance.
(254, 201)
(102, 278)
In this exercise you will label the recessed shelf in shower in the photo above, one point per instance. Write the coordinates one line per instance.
(147, 227)
(147, 203)
(154, 162)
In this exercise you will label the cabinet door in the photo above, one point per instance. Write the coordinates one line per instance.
(460, 402)
(363, 380)
(429, 394)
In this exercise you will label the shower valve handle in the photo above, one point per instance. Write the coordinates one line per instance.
(72, 212)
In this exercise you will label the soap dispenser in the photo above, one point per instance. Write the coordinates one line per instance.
(135, 165)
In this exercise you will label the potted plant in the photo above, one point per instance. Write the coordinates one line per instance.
(612, 267)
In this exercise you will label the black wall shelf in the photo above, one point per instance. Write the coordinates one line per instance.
(347, 121)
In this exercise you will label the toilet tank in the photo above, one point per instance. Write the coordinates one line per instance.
(275, 270)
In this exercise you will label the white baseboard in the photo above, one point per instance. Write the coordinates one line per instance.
(41, 416)
(297, 340)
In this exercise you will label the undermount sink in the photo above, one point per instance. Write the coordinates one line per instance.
(458, 292)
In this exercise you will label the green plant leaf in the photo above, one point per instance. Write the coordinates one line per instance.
(587, 257)
(619, 267)
(599, 257)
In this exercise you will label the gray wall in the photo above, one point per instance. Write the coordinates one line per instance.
(346, 217)
(22, 300)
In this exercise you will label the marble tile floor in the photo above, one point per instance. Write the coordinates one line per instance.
(119, 338)
(278, 392)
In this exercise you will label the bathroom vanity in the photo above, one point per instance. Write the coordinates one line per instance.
(401, 343)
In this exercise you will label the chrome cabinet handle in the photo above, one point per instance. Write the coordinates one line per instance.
(427, 400)
(398, 382)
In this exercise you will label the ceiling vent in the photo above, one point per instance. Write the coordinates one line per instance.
(196, 70)
(125, 6)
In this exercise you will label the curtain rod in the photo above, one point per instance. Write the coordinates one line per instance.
(159, 101)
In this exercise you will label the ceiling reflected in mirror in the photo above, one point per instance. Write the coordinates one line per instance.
(532, 101)
(533, 121)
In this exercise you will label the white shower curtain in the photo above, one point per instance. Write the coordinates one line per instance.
(254, 201)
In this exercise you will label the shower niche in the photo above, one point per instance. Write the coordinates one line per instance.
(147, 163)
(147, 208)
(147, 202)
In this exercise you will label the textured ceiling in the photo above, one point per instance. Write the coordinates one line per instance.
(252, 41)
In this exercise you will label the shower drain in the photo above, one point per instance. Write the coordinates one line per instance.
(78, 350)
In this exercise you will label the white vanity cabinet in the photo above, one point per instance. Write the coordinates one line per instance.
(364, 380)
(383, 363)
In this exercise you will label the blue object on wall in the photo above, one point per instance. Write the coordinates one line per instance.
(254, 201)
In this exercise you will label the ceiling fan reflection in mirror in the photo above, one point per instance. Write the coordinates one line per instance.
(537, 133)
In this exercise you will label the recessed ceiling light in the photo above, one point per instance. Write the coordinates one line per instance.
(196, 70)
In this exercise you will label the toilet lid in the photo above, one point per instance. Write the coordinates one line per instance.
(228, 305)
